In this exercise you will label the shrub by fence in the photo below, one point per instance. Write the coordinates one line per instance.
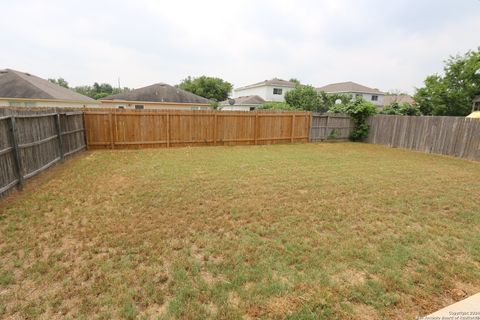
(453, 136)
(330, 126)
(32, 141)
(113, 128)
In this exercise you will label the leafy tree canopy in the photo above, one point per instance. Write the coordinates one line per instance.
(405, 109)
(208, 87)
(305, 98)
(452, 93)
(308, 98)
(295, 80)
(98, 91)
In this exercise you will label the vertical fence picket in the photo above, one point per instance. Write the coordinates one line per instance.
(16, 152)
(59, 133)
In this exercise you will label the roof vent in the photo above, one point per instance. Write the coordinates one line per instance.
(28, 74)
(3, 71)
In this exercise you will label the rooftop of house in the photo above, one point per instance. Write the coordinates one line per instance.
(273, 82)
(245, 100)
(348, 87)
(22, 85)
(159, 92)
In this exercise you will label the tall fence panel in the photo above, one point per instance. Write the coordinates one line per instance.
(32, 141)
(330, 126)
(453, 136)
(115, 128)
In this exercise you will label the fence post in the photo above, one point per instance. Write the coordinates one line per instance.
(85, 135)
(255, 127)
(168, 129)
(16, 153)
(325, 135)
(59, 133)
(392, 143)
(293, 128)
(309, 117)
(110, 120)
(215, 129)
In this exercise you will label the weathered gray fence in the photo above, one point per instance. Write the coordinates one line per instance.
(453, 136)
(32, 141)
(330, 126)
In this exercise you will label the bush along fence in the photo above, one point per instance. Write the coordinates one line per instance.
(32, 141)
(453, 136)
(115, 128)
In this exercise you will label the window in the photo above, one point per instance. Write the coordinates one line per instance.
(358, 95)
(277, 91)
(374, 98)
(139, 107)
(121, 107)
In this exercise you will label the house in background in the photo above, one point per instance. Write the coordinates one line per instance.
(157, 96)
(374, 96)
(398, 98)
(269, 90)
(248, 103)
(21, 89)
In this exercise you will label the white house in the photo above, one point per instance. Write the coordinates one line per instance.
(268, 90)
(21, 89)
(374, 96)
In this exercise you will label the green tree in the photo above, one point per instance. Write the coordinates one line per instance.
(208, 87)
(305, 98)
(404, 109)
(295, 80)
(329, 100)
(452, 93)
(60, 81)
(98, 91)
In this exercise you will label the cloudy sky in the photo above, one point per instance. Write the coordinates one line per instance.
(391, 45)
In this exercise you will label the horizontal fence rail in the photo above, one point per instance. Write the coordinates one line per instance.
(32, 141)
(453, 136)
(330, 126)
(147, 128)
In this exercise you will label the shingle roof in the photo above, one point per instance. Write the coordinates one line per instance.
(246, 100)
(398, 98)
(348, 87)
(272, 82)
(159, 92)
(21, 85)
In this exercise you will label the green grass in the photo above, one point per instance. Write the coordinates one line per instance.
(312, 231)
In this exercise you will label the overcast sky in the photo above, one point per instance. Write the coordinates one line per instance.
(391, 45)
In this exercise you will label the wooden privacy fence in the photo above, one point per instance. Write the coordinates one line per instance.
(330, 126)
(30, 142)
(453, 136)
(115, 128)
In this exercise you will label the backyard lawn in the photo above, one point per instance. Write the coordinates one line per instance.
(306, 231)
